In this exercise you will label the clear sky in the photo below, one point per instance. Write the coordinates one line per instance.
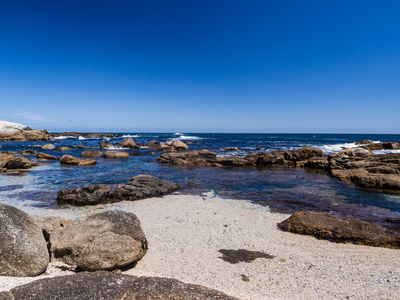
(201, 66)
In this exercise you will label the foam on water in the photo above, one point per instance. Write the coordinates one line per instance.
(130, 136)
(188, 137)
(64, 137)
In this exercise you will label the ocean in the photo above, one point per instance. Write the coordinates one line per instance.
(282, 189)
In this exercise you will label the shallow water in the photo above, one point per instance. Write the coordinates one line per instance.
(282, 189)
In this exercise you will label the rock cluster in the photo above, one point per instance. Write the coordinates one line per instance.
(111, 286)
(139, 187)
(171, 146)
(325, 226)
(26, 135)
(126, 143)
(102, 241)
(210, 159)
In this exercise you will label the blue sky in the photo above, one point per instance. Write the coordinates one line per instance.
(201, 66)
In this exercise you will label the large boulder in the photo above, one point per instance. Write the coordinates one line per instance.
(128, 143)
(105, 144)
(5, 157)
(22, 245)
(92, 153)
(115, 154)
(73, 161)
(103, 241)
(46, 156)
(88, 195)
(188, 158)
(111, 286)
(18, 163)
(178, 145)
(143, 186)
(48, 224)
(324, 226)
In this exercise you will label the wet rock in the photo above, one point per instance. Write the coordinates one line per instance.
(178, 145)
(115, 154)
(324, 226)
(143, 186)
(160, 146)
(78, 146)
(112, 286)
(242, 255)
(128, 143)
(27, 152)
(319, 163)
(88, 195)
(18, 163)
(73, 161)
(92, 153)
(63, 149)
(5, 157)
(103, 241)
(48, 147)
(22, 245)
(189, 158)
(105, 144)
(374, 146)
(364, 142)
(391, 145)
(46, 156)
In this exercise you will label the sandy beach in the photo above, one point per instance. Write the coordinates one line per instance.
(185, 234)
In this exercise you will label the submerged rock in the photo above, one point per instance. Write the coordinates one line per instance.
(88, 195)
(103, 241)
(22, 245)
(46, 156)
(92, 153)
(143, 186)
(111, 286)
(73, 161)
(324, 226)
(116, 154)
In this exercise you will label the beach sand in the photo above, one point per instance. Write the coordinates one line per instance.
(185, 234)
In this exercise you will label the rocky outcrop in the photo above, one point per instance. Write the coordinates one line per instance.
(22, 245)
(178, 145)
(46, 156)
(92, 153)
(364, 142)
(369, 171)
(143, 186)
(73, 161)
(103, 241)
(88, 195)
(171, 146)
(128, 143)
(115, 154)
(324, 226)
(18, 132)
(111, 286)
(381, 146)
(18, 163)
(210, 159)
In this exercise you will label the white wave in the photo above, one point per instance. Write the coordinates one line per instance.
(177, 133)
(116, 148)
(64, 137)
(82, 138)
(130, 136)
(385, 151)
(328, 149)
(188, 137)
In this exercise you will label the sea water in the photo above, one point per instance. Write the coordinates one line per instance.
(282, 189)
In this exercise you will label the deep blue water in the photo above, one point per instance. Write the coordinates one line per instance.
(282, 189)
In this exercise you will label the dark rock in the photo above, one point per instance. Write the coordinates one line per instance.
(88, 195)
(5, 157)
(78, 146)
(242, 255)
(143, 186)
(391, 145)
(18, 163)
(92, 153)
(324, 226)
(46, 156)
(115, 154)
(320, 163)
(103, 241)
(73, 161)
(112, 286)
(22, 245)
(374, 146)
(86, 135)
(188, 158)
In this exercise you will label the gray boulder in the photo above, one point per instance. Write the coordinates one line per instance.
(143, 186)
(111, 286)
(22, 245)
(88, 195)
(103, 241)
(48, 147)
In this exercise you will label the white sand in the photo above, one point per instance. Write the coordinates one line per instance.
(186, 232)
